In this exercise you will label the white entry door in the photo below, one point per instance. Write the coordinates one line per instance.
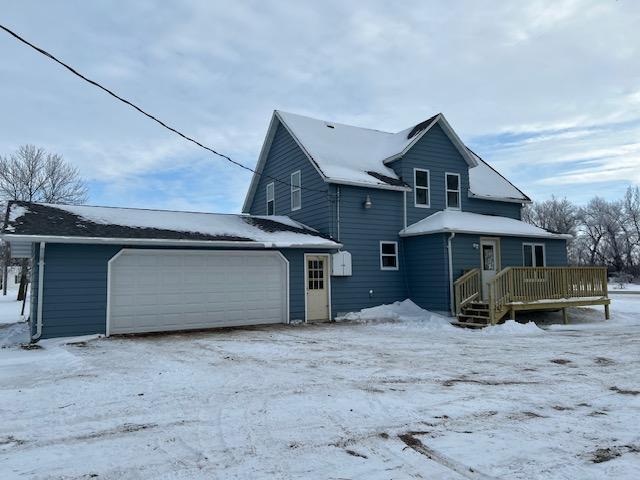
(488, 263)
(317, 287)
(160, 290)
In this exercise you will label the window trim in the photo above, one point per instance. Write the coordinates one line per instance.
(533, 246)
(296, 189)
(416, 187)
(396, 256)
(273, 193)
(447, 190)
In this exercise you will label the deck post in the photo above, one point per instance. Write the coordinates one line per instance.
(607, 315)
(564, 316)
(512, 313)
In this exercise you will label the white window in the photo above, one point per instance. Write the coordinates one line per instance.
(271, 198)
(533, 255)
(452, 185)
(388, 255)
(421, 188)
(296, 191)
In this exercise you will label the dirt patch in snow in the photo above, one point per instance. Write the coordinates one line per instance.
(353, 453)
(453, 381)
(604, 361)
(560, 361)
(602, 455)
(623, 391)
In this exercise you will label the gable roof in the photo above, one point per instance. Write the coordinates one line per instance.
(350, 155)
(88, 224)
(447, 221)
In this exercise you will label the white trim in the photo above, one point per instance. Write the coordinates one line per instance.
(296, 189)
(397, 256)
(273, 192)
(447, 190)
(404, 210)
(470, 194)
(427, 188)
(533, 246)
(151, 251)
(305, 280)
(555, 236)
(165, 242)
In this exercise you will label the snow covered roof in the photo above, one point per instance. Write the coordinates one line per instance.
(359, 156)
(466, 222)
(87, 224)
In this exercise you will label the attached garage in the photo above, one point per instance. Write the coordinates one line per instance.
(161, 290)
(120, 271)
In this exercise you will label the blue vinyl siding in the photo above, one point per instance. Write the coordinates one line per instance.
(284, 158)
(427, 271)
(467, 257)
(361, 231)
(75, 293)
(436, 153)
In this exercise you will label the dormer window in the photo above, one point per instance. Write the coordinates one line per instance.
(452, 185)
(421, 188)
(271, 199)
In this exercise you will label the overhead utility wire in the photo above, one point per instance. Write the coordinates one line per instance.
(143, 112)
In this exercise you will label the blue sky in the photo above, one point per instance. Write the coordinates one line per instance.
(547, 92)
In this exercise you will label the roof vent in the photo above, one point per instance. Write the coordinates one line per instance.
(330, 126)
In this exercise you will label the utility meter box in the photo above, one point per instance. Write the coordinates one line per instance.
(341, 264)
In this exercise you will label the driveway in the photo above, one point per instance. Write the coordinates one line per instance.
(377, 400)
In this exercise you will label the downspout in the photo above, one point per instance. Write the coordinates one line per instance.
(338, 211)
(404, 206)
(38, 334)
(449, 248)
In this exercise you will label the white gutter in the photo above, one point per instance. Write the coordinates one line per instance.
(380, 186)
(449, 248)
(163, 242)
(38, 334)
(498, 199)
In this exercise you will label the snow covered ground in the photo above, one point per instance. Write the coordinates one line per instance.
(624, 287)
(366, 399)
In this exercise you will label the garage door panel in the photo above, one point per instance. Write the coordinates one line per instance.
(175, 290)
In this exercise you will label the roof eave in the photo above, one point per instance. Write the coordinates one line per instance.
(499, 199)
(8, 237)
(553, 236)
(380, 186)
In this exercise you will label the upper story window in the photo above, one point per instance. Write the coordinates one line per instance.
(388, 255)
(296, 191)
(452, 185)
(421, 188)
(271, 198)
(533, 255)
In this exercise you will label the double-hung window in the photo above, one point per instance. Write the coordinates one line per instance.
(271, 198)
(296, 191)
(452, 185)
(533, 255)
(421, 188)
(388, 255)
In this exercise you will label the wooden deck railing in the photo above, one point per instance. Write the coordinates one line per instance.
(467, 288)
(534, 284)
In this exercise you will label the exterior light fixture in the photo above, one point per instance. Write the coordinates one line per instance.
(367, 202)
(476, 246)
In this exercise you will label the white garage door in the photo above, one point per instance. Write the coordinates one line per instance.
(158, 290)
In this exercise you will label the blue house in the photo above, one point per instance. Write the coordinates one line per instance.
(414, 209)
(336, 219)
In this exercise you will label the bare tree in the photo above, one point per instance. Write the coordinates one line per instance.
(33, 175)
(555, 215)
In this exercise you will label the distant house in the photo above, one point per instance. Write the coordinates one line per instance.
(336, 219)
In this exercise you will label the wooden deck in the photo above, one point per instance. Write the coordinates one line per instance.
(516, 289)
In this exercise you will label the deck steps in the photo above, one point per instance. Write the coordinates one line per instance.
(473, 315)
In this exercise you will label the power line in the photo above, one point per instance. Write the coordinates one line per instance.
(143, 112)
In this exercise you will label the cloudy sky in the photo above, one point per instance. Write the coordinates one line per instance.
(547, 91)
